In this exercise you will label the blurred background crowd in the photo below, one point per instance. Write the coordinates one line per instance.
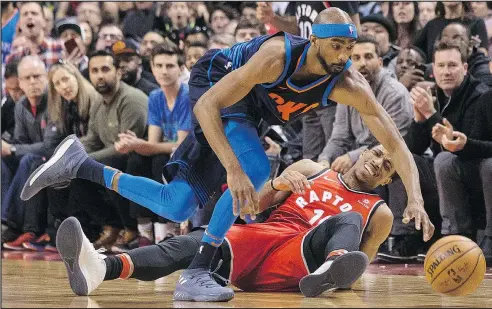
(115, 74)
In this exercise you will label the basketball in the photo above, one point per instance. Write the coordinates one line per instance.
(454, 266)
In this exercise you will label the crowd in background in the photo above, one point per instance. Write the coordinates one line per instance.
(115, 74)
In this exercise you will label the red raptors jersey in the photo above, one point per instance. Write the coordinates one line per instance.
(328, 196)
(268, 256)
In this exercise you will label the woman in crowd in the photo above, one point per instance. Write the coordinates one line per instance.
(405, 17)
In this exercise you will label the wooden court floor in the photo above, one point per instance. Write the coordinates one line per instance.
(38, 280)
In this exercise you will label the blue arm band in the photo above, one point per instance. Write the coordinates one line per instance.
(332, 30)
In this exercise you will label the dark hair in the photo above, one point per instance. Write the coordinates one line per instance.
(448, 44)
(467, 10)
(245, 23)
(414, 24)
(419, 51)
(369, 39)
(467, 29)
(103, 53)
(167, 48)
(198, 44)
(243, 5)
(11, 69)
(228, 11)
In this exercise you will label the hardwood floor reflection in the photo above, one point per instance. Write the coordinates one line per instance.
(34, 282)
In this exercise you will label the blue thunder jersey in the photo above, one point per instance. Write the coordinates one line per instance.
(276, 103)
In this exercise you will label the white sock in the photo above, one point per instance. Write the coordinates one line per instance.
(160, 231)
(145, 230)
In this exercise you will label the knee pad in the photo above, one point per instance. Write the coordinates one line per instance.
(353, 218)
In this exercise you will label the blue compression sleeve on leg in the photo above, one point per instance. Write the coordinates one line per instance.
(175, 201)
(254, 162)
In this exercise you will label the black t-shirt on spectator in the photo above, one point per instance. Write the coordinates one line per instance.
(145, 85)
(427, 37)
(304, 12)
(8, 118)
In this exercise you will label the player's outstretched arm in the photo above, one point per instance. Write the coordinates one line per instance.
(377, 231)
(354, 90)
(264, 67)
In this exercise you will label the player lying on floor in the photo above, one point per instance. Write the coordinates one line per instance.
(309, 243)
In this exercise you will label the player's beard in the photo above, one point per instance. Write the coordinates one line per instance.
(327, 67)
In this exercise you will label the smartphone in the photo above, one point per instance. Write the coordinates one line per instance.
(70, 45)
(421, 67)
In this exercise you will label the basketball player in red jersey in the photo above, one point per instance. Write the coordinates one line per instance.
(310, 242)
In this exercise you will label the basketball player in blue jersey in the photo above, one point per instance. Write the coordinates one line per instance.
(273, 78)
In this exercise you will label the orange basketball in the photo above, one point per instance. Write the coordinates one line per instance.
(454, 265)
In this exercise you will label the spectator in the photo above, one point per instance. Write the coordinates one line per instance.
(407, 66)
(10, 17)
(248, 29)
(447, 13)
(196, 34)
(220, 17)
(463, 173)
(31, 24)
(481, 9)
(478, 63)
(383, 31)
(25, 153)
(405, 17)
(457, 94)
(88, 35)
(220, 41)
(248, 10)
(180, 14)
(70, 97)
(149, 41)
(427, 11)
(350, 135)
(69, 29)
(124, 108)
(107, 36)
(194, 52)
(14, 93)
(169, 120)
(49, 18)
(90, 12)
(130, 65)
(140, 21)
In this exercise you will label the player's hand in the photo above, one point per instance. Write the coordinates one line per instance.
(244, 196)
(422, 100)
(439, 130)
(291, 181)
(264, 12)
(342, 164)
(415, 210)
(456, 143)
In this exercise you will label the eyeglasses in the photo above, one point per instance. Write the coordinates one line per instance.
(103, 36)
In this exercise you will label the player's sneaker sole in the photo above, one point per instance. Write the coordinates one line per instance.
(69, 243)
(184, 296)
(344, 271)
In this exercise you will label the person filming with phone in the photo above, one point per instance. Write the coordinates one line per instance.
(72, 37)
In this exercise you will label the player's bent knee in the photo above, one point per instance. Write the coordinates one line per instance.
(353, 218)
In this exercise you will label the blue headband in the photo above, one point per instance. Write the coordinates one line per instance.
(323, 31)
